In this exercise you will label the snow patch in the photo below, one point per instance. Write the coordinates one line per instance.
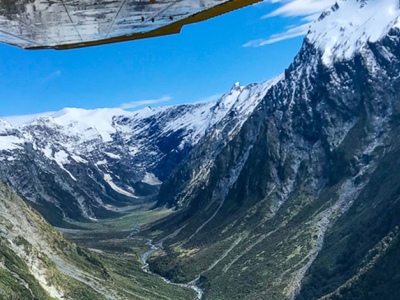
(10, 142)
(101, 162)
(61, 158)
(151, 179)
(112, 155)
(79, 159)
(108, 179)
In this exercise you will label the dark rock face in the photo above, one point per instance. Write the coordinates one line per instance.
(284, 208)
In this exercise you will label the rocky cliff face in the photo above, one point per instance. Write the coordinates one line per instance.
(284, 207)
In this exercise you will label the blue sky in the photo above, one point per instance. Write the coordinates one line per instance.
(200, 63)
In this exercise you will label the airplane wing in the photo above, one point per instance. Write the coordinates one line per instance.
(67, 24)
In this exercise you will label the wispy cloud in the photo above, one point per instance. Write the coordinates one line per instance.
(309, 10)
(210, 98)
(137, 103)
(296, 8)
(50, 77)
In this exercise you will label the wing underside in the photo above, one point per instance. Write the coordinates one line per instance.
(66, 24)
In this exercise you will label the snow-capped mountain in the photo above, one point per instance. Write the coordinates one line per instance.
(349, 26)
(81, 163)
(349, 30)
(285, 190)
(302, 202)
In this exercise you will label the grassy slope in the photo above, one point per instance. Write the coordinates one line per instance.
(75, 272)
(247, 252)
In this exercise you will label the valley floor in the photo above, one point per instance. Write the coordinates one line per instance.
(120, 246)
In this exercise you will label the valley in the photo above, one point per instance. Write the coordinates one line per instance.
(117, 237)
(286, 189)
(63, 270)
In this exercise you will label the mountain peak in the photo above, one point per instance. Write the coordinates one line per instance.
(349, 25)
(4, 125)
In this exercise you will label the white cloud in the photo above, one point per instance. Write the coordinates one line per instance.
(288, 34)
(137, 103)
(309, 10)
(211, 98)
(296, 8)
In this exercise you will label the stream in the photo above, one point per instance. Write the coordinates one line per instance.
(192, 285)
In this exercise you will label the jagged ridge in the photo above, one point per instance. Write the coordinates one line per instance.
(256, 213)
(83, 163)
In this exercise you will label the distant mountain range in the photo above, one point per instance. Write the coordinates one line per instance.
(79, 163)
(283, 190)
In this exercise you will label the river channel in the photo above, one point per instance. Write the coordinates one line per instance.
(192, 285)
